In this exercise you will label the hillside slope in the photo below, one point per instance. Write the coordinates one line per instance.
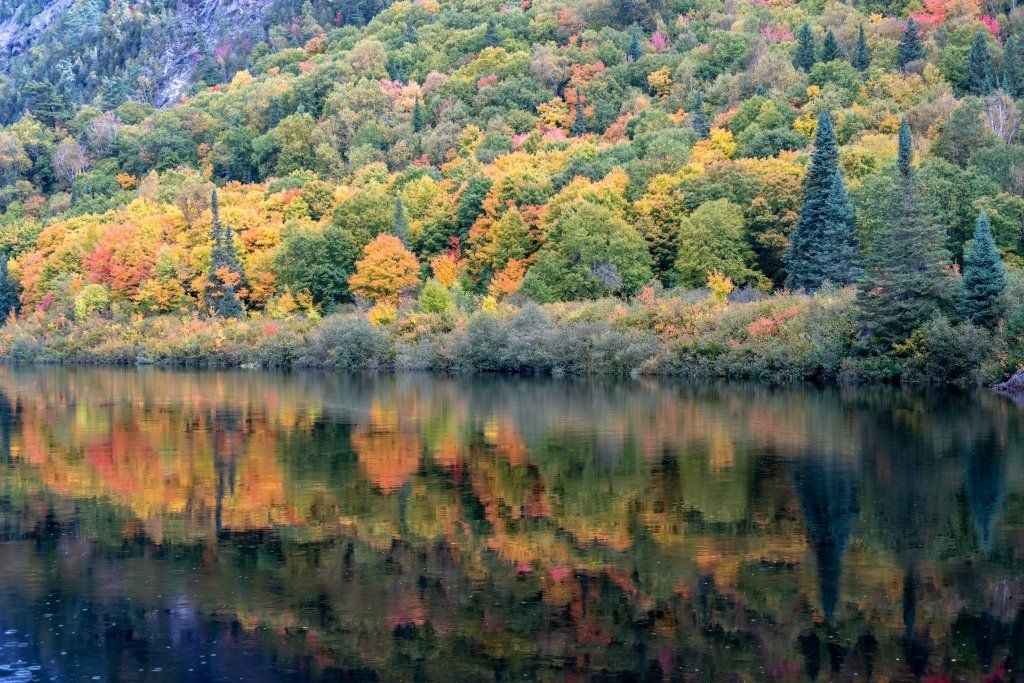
(153, 51)
(451, 158)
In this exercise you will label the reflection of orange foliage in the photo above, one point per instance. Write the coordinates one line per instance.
(389, 454)
(406, 610)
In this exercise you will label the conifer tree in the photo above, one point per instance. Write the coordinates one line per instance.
(491, 37)
(803, 58)
(418, 117)
(400, 223)
(223, 257)
(699, 118)
(411, 34)
(1013, 59)
(214, 283)
(228, 305)
(905, 150)
(980, 75)
(911, 48)
(907, 280)
(8, 290)
(806, 243)
(984, 278)
(635, 51)
(579, 124)
(836, 251)
(830, 48)
(862, 56)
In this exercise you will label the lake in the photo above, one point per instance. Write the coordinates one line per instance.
(162, 525)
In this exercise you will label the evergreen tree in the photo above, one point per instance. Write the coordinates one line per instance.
(579, 124)
(830, 48)
(807, 241)
(635, 50)
(699, 118)
(862, 57)
(275, 112)
(1013, 58)
(8, 290)
(418, 116)
(980, 74)
(228, 305)
(470, 205)
(491, 38)
(223, 257)
(214, 283)
(803, 58)
(411, 35)
(907, 282)
(984, 278)
(911, 48)
(836, 251)
(400, 224)
(905, 150)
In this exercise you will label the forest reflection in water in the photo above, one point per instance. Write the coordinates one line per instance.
(289, 526)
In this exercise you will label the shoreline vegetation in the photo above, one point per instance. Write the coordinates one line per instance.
(779, 338)
(769, 191)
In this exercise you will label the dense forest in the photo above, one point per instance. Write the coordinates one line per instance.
(766, 188)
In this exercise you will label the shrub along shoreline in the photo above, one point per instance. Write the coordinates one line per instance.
(779, 338)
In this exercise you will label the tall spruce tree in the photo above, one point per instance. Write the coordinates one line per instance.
(836, 251)
(984, 278)
(905, 150)
(910, 48)
(491, 38)
(223, 258)
(400, 222)
(214, 282)
(805, 271)
(635, 51)
(907, 281)
(980, 73)
(418, 116)
(1013, 60)
(8, 290)
(579, 123)
(804, 58)
(228, 305)
(830, 47)
(862, 55)
(699, 118)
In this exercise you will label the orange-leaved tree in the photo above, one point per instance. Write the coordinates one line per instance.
(386, 270)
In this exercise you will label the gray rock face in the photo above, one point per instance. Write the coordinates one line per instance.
(221, 21)
(1014, 386)
(225, 21)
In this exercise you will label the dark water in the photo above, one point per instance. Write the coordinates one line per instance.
(176, 526)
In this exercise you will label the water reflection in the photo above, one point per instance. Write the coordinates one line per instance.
(226, 525)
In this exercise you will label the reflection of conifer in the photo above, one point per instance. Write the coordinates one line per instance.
(985, 489)
(828, 499)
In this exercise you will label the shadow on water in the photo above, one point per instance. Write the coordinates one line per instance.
(211, 526)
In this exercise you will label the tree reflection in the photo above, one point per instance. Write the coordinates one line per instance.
(413, 526)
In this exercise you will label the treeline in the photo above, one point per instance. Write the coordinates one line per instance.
(445, 162)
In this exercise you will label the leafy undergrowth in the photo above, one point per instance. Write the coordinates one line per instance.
(781, 338)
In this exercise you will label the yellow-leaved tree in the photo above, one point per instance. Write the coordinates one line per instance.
(386, 271)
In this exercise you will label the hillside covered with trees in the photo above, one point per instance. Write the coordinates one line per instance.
(764, 188)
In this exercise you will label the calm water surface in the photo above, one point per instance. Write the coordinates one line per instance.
(177, 526)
